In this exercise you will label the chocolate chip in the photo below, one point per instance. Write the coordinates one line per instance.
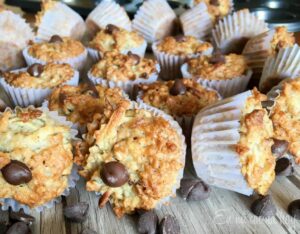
(266, 104)
(91, 89)
(55, 39)
(279, 148)
(180, 38)
(214, 2)
(35, 69)
(294, 209)
(169, 225)
(76, 213)
(178, 88)
(194, 189)
(16, 173)
(21, 217)
(217, 58)
(18, 228)
(284, 167)
(134, 57)
(144, 75)
(147, 222)
(263, 207)
(110, 29)
(88, 231)
(114, 174)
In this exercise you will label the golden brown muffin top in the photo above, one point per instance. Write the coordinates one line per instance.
(218, 67)
(182, 97)
(254, 147)
(147, 146)
(33, 138)
(80, 104)
(113, 38)
(56, 51)
(286, 116)
(40, 76)
(182, 45)
(120, 67)
(282, 39)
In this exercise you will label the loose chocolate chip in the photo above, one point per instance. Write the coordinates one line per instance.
(214, 2)
(284, 167)
(294, 209)
(88, 231)
(217, 58)
(21, 217)
(169, 225)
(35, 69)
(263, 207)
(180, 38)
(194, 189)
(110, 29)
(55, 39)
(279, 148)
(186, 186)
(134, 57)
(114, 174)
(16, 173)
(76, 213)
(19, 228)
(178, 88)
(147, 222)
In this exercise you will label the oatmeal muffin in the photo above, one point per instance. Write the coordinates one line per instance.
(240, 128)
(113, 38)
(228, 74)
(134, 159)
(35, 157)
(172, 52)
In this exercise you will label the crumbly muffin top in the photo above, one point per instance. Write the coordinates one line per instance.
(182, 45)
(178, 98)
(32, 138)
(149, 149)
(285, 115)
(254, 147)
(282, 39)
(38, 76)
(80, 104)
(56, 51)
(120, 67)
(217, 67)
(113, 38)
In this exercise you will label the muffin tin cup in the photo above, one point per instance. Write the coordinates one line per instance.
(31, 96)
(170, 64)
(61, 20)
(216, 131)
(77, 62)
(8, 203)
(226, 88)
(284, 65)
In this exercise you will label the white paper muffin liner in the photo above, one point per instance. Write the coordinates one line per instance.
(61, 20)
(226, 88)
(140, 51)
(7, 203)
(107, 12)
(214, 137)
(77, 62)
(31, 96)
(154, 20)
(126, 86)
(232, 30)
(170, 64)
(284, 65)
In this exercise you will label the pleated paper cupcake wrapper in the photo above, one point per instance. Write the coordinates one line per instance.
(63, 21)
(154, 20)
(31, 96)
(284, 65)
(214, 138)
(170, 64)
(76, 62)
(230, 32)
(127, 86)
(226, 88)
(140, 51)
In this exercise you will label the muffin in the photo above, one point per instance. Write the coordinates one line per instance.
(135, 159)
(267, 44)
(172, 52)
(31, 85)
(124, 71)
(113, 38)
(57, 49)
(228, 74)
(240, 128)
(36, 158)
